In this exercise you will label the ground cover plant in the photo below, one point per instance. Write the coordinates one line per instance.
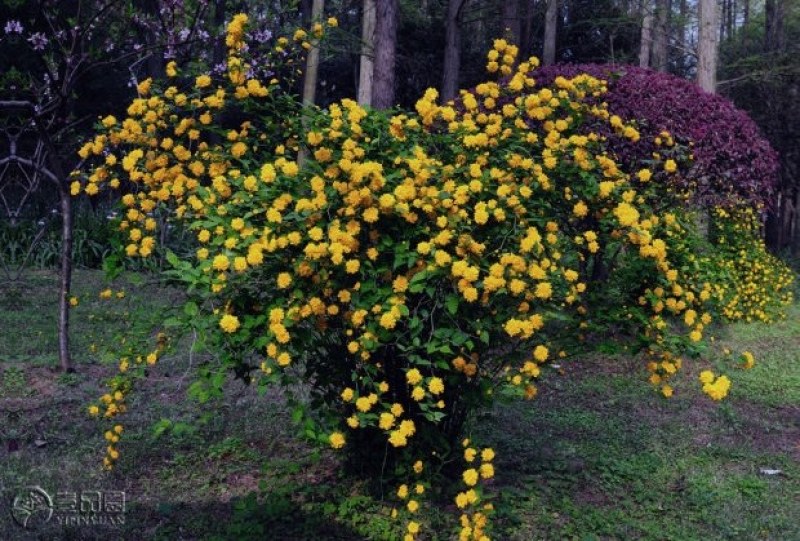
(394, 273)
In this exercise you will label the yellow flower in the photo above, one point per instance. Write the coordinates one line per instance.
(413, 376)
(337, 440)
(229, 323)
(397, 439)
(706, 376)
(284, 280)
(400, 284)
(202, 81)
(352, 266)
(436, 386)
(363, 404)
(220, 262)
(386, 421)
(470, 477)
(670, 166)
(626, 214)
(580, 209)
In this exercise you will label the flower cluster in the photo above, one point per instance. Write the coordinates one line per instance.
(406, 265)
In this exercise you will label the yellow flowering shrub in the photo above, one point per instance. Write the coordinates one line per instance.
(406, 266)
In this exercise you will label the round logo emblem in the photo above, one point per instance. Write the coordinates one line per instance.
(32, 507)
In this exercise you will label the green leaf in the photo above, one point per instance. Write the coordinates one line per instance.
(191, 309)
(173, 259)
(451, 303)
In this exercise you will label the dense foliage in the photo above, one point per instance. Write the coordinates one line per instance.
(407, 268)
(733, 162)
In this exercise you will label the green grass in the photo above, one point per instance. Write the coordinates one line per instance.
(598, 455)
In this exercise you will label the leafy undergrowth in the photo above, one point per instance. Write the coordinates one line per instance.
(598, 455)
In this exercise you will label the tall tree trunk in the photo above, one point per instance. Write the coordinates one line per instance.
(646, 41)
(746, 13)
(511, 22)
(722, 16)
(366, 67)
(64, 356)
(452, 49)
(660, 53)
(526, 41)
(774, 13)
(386, 20)
(550, 28)
(707, 45)
(683, 14)
(312, 60)
(219, 23)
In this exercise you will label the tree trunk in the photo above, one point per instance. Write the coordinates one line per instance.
(682, 41)
(774, 13)
(312, 61)
(64, 356)
(550, 28)
(452, 50)
(660, 53)
(219, 23)
(511, 22)
(646, 41)
(746, 13)
(526, 41)
(707, 45)
(386, 20)
(795, 235)
(366, 66)
(723, 15)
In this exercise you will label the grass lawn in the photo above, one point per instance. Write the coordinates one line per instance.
(598, 454)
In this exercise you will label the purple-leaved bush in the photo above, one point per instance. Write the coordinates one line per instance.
(733, 162)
